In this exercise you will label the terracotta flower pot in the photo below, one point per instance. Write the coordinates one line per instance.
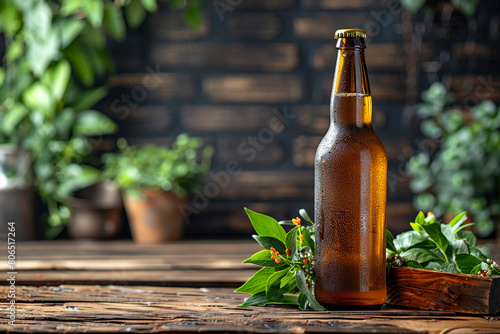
(95, 211)
(156, 217)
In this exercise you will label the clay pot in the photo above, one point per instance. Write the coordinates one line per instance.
(95, 211)
(156, 217)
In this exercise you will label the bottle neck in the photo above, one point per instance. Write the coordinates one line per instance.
(351, 102)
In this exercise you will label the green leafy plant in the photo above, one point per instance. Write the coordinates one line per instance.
(467, 7)
(436, 246)
(287, 274)
(54, 54)
(175, 169)
(462, 173)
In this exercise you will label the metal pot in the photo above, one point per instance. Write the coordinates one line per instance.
(95, 211)
(18, 200)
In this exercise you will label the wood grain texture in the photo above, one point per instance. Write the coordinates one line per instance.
(188, 286)
(425, 289)
(78, 308)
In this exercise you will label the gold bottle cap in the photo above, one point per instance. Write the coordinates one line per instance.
(350, 33)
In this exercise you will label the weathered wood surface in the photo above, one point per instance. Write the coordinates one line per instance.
(188, 286)
(78, 308)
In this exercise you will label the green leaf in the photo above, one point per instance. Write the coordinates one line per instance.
(64, 121)
(413, 264)
(458, 219)
(39, 97)
(113, 20)
(390, 241)
(448, 232)
(89, 98)
(460, 246)
(476, 269)
(14, 50)
(13, 117)
(469, 236)
(464, 226)
(262, 258)
(434, 265)
(70, 7)
(308, 238)
(420, 219)
(287, 222)
(41, 52)
(68, 30)
(76, 177)
(150, 5)
(266, 226)
(80, 64)
(273, 284)
(419, 255)
(268, 242)
(259, 299)
(257, 283)
(291, 240)
(59, 78)
(305, 215)
(95, 12)
(135, 13)
(288, 282)
(412, 5)
(407, 239)
(302, 285)
(416, 227)
(477, 253)
(435, 234)
(450, 268)
(302, 301)
(466, 262)
(93, 123)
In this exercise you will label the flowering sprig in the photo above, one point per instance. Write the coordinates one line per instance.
(287, 276)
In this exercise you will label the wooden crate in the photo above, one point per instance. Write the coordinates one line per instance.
(432, 290)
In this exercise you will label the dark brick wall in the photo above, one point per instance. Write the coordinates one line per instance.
(255, 83)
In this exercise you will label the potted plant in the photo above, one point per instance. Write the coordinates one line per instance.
(156, 182)
(53, 52)
(462, 173)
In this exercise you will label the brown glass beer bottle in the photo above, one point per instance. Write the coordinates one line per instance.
(350, 188)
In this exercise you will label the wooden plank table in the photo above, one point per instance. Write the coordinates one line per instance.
(118, 286)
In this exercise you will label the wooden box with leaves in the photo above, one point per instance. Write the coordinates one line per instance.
(437, 266)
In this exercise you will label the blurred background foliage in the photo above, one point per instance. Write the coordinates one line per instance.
(55, 61)
(462, 174)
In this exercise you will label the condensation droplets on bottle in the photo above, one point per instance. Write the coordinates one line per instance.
(350, 189)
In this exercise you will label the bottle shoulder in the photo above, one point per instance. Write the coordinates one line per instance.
(349, 141)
